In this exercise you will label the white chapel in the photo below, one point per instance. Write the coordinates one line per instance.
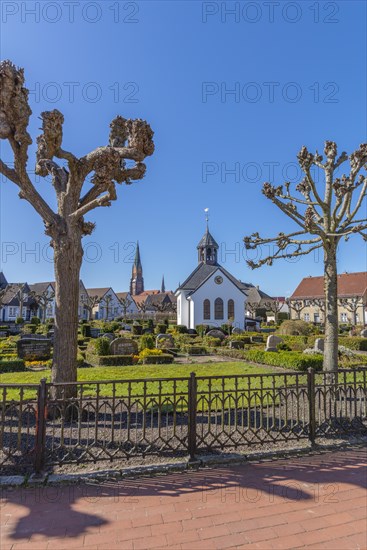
(211, 295)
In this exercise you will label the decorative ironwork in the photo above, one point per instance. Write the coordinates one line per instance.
(119, 419)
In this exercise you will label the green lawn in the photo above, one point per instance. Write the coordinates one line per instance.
(138, 372)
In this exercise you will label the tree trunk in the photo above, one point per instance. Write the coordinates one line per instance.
(331, 308)
(68, 255)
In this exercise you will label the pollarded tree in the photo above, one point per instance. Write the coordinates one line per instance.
(130, 140)
(324, 218)
(296, 305)
(43, 299)
(275, 306)
(352, 304)
(252, 308)
(89, 303)
(125, 304)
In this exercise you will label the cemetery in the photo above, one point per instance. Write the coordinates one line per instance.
(111, 345)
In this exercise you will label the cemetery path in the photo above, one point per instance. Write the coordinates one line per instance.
(315, 501)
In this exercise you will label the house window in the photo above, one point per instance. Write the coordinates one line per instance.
(218, 309)
(344, 317)
(206, 307)
(230, 309)
(12, 311)
(306, 317)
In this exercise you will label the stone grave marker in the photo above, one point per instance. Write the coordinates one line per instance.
(95, 332)
(164, 341)
(319, 345)
(109, 335)
(272, 342)
(364, 333)
(236, 344)
(32, 349)
(123, 346)
(216, 333)
(257, 339)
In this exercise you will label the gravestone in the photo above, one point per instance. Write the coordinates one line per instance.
(164, 341)
(3, 333)
(216, 333)
(236, 344)
(256, 339)
(123, 346)
(108, 335)
(33, 349)
(237, 330)
(363, 333)
(95, 332)
(319, 345)
(272, 342)
(192, 331)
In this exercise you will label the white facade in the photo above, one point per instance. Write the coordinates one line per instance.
(192, 311)
(108, 307)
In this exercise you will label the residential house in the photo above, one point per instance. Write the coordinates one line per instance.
(17, 301)
(128, 305)
(106, 303)
(308, 300)
(45, 296)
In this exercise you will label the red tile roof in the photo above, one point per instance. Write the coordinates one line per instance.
(349, 284)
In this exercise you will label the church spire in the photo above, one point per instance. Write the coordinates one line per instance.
(163, 286)
(137, 260)
(137, 281)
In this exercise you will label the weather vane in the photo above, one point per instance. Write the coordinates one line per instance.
(206, 210)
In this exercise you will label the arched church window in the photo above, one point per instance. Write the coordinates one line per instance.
(218, 309)
(230, 309)
(206, 307)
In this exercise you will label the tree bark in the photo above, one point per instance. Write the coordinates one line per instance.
(331, 308)
(68, 254)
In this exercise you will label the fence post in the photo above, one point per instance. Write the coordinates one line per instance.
(192, 406)
(311, 404)
(39, 451)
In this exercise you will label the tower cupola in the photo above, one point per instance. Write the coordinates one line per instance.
(208, 249)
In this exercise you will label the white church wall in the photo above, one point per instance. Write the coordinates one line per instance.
(182, 310)
(211, 290)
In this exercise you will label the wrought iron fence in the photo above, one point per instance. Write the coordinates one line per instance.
(41, 425)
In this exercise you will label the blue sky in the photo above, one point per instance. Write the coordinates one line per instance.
(232, 91)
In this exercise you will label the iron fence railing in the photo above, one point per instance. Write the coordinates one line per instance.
(54, 424)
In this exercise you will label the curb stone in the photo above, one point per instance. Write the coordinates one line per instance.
(11, 481)
(152, 470)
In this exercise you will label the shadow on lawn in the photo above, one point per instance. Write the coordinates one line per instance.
(71, 511)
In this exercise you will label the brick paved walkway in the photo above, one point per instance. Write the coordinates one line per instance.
(315, 502)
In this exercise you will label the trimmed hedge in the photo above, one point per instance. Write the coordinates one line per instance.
(16, 365)
(163, 359)
(8, 355)
(285, 359)
(195, 350)
(110, 360)
(356, 343)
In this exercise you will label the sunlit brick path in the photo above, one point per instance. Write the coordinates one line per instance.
(316, 501)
